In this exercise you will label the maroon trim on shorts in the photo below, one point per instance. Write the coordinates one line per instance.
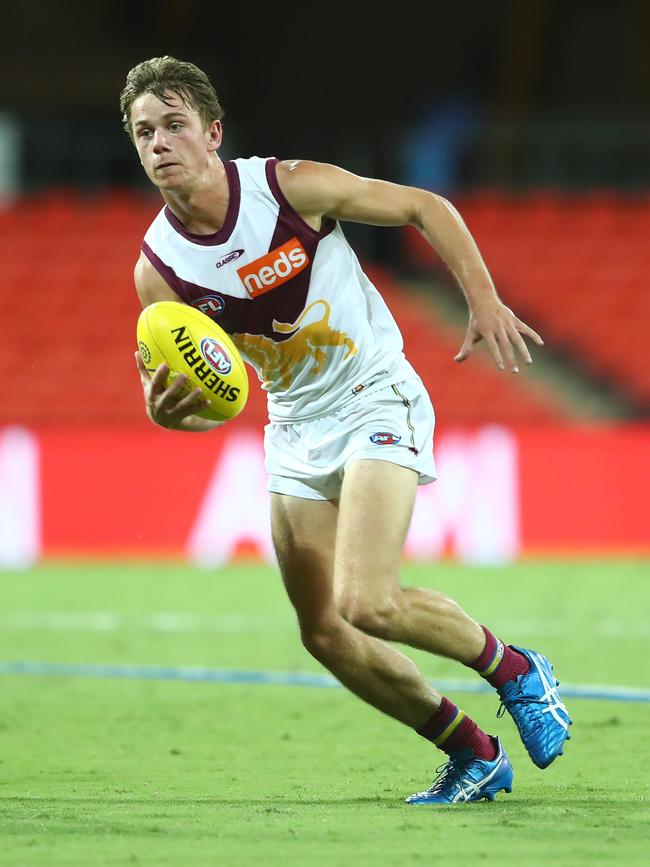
(224, 233)
(289, 212)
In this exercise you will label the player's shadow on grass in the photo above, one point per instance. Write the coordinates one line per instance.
(271, 801)
(279, 805)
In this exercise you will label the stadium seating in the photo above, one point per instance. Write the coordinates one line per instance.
(69, 312)
(470, 393)
(577, 267)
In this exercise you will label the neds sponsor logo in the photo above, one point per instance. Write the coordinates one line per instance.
(274, 269)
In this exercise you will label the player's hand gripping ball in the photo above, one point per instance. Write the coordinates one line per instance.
(190, 343)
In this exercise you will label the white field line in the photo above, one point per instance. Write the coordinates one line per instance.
(113, 621)
(291, 678)
(170, 622)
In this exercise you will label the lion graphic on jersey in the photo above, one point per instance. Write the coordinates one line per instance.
(277, 361)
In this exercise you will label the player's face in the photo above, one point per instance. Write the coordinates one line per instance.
(172, 142)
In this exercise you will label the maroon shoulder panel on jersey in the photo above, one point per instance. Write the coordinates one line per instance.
(290, 216)
(282, 303)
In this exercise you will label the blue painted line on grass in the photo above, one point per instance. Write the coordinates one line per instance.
(285, 678)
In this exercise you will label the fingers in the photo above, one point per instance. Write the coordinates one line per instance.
(192, 403)
(528, 331)
(167, 398)
(464, 352)
(168, 405)
(495, 351)
(467, 348)
(195, 401)
(159, 379)
(521, 347)
(506, 341)
(142, 369)
(171, 406)
(504, 336)
(516, 342)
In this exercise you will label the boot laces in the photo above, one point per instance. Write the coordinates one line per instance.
(530, 706)
(449, 773)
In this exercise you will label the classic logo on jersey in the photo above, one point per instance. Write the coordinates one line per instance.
(211, 305)
(216, 356)
(274, 269)
(229, 257)
(384, 439)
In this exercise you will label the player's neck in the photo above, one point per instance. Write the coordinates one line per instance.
(202, 207)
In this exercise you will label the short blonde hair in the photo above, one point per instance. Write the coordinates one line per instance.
(160, 74)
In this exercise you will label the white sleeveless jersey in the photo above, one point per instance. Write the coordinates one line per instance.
(294, 300)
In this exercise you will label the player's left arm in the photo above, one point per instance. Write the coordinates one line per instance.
(318, 190)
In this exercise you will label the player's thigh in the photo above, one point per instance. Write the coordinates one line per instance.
(375, 509)
(304, 537)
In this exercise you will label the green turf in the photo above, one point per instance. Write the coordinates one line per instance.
(99, 771)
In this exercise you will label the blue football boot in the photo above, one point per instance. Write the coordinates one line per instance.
(532, 700)
(465, 778)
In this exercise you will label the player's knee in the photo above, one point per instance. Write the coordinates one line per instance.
(323, 639)
(373, 617)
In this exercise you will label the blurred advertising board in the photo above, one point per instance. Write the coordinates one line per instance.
(146, 492)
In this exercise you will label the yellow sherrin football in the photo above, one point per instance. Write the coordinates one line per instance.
(189, 342)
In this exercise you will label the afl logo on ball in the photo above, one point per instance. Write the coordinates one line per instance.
(216, 356)
(384, 439)
(211, 305)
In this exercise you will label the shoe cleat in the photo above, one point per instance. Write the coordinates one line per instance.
(465, 778)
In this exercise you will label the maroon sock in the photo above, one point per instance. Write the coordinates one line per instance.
(451, 730)
(499, 663)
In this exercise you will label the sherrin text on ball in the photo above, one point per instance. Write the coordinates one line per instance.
(190, 343)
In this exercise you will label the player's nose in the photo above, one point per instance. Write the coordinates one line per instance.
(160, 144)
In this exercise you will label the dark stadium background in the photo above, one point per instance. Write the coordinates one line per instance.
(532, 117)
(346, 83)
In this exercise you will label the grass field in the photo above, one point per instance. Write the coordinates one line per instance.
(103, 771)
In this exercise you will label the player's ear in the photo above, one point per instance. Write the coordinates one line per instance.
(215, 132)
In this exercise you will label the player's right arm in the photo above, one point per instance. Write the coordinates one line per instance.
(165, 406)
(317, 190)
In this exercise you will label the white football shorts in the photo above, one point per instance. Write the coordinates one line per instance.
(393, 423)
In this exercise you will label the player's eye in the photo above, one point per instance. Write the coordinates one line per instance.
(174, 126)
(144, 133)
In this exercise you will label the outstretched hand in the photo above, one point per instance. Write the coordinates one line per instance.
(498, 326)
(166, 406)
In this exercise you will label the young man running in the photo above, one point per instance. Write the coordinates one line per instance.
(351, 426)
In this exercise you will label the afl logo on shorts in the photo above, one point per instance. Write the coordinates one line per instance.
(216, 356)
(211, 305)
(384, 439)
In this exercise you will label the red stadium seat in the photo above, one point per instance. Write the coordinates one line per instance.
(576, 266)
(68, 271)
